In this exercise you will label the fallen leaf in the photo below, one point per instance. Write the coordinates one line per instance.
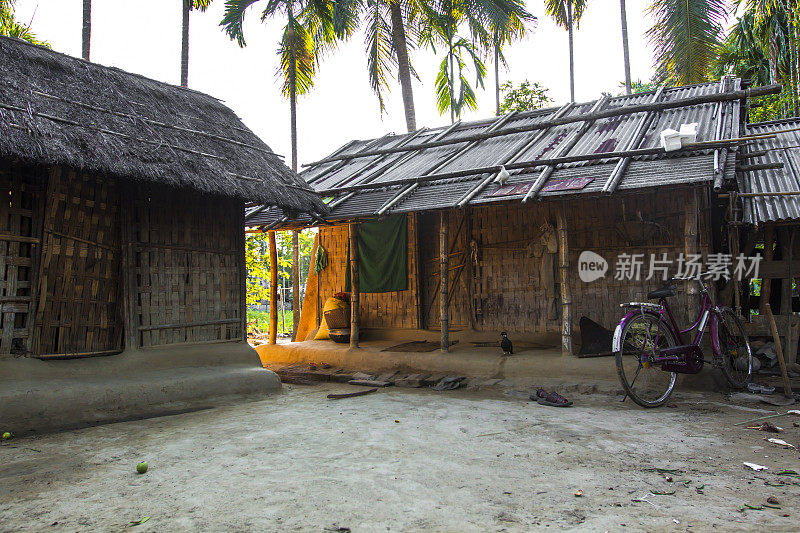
(773, 500)
(139, 522)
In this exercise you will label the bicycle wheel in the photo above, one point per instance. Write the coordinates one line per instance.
(644, 381)
(734, 347)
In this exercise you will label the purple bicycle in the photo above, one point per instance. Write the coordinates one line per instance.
(650, 349)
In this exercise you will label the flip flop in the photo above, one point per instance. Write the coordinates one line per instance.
(551, 399)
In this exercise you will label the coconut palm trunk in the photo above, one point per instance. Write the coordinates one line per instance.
(625, 50)
(86, 34)
(571, 54)
(403, 69)
(185, 44)
(497, 78)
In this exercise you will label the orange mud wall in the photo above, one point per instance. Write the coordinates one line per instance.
(493, 275)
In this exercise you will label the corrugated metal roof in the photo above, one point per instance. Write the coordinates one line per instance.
(610, 134)
(784, 148)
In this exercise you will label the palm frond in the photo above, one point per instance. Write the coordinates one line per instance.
(686, 37)
(381, 57)
(296, 41)
(233, 19)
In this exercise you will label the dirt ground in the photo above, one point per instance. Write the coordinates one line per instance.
(409, 460)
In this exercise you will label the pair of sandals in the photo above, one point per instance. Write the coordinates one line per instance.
(551, 399)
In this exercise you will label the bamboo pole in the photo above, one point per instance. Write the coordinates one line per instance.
(443, 273)
(766, 283)
(690, 234)
(273, 288)
(533, 164)
(355, 288)
(566, 293)
(787, 386)
(295, 283)
(605, 113)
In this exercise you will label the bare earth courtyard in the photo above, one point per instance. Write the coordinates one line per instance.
(409, 460)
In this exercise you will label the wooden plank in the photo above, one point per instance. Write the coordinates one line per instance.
(273, 289)
(355, 292)
(443, 273)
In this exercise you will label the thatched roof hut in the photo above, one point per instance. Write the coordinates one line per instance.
(60, 110)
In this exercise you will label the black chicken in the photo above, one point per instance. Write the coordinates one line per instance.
(505, 344)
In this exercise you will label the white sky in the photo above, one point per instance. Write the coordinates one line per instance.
(144, 37)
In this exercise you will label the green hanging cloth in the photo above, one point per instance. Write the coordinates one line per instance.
(382, 255)
(321, 259)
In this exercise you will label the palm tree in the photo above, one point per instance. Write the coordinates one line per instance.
(514, 29)
(387, 25)
(490, 23)
(625, 50)
(86, 32)
(188, 5)
(686, 37)
(567, 14)
(10, 27)
(311, 28)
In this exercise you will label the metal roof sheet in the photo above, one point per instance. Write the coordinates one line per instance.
(784, 148)
(575, 138)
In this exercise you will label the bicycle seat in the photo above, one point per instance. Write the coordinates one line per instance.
(664, 292)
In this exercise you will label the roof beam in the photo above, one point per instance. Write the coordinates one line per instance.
(509, 157)
(380, 170)
(533, 164)
(404, 194)
(622, 165)
(718, 163)
(566, 147)
(606, 113)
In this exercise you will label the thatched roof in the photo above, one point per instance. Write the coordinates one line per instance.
(59, 110)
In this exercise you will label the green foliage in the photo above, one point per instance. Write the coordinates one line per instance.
(686, 37)
(763, 46)
(489, 23)
(259, 321)
(639, 86)
(526, 97)
(257, 261)
(557, 9)
(453, 89)
(312, 28)
(11, 27)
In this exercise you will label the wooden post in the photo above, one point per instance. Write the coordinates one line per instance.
(418, 271)
(242, 273)
(690, 249)
(766, 283)
(273, 288)
(787, 386)
(129, 284)
(566, 294)
(295, 283)
(355, 289)
(443, 261)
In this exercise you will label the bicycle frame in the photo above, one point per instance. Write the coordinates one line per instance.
(686, 358)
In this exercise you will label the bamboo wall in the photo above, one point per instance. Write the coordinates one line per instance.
(396, 309)
(89, 264)
(503, 282)
(188, 263)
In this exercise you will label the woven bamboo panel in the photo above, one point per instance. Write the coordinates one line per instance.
(79, 293)
(19, 230)
(396, 309)
(504, 282)
(188, 267)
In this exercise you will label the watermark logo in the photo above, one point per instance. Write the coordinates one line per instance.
(659, 267)
(591, 266)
